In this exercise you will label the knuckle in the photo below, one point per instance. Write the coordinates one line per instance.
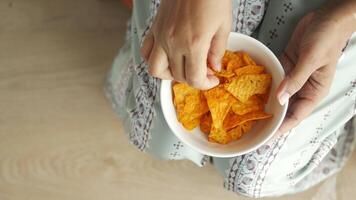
(296, 84)
(179, 78)
(153, 71)
(171, 33)
(196, 39)
(216, 54)
(194, 81)
(142, 50)
(143, 53)
(228, 28)
(193, 43)
(226, 32)
(313, 59)
(189, 42)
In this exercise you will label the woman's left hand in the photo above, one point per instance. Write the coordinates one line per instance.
(309, 60)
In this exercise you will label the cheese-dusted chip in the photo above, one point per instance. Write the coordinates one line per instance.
(228, 56)
(225, 74)
(254, 103)
(191, 124)
(247, 126)
(195, 106)
(243, 87)
(190, 105)
(219, 135)
(219, 103)
(232, 120)
(180, 90)
(237, 132)
(228, 111)
(206, 122)
(249, 69)
(234, 64)
(247, 59)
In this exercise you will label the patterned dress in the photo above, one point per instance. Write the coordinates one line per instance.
(317, 148)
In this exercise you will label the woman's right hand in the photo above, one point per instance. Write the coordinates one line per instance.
(310, 59)
(184, 36)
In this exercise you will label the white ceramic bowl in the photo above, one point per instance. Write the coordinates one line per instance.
(261, 132)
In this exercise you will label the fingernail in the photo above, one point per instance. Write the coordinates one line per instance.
(283, 98)
(218, 66)
(215, 81)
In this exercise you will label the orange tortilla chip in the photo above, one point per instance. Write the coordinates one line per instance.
(195, 106)
(205, 123)
(247, 126)
(219, 135)
(190, 105)
(228, 55)
(180, 90)
(234, 64)
(190, 125)
(228, 111)
(252, 104)
(237, 132)
(249, 69)
(225, 74)
(263, 97)
(247, 59)
(243, 87)
(219, 103)
(180, 111)
(232, 120)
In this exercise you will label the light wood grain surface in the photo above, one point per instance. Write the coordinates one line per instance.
(59, 138)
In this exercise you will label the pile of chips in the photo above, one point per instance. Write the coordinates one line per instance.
(230, 109)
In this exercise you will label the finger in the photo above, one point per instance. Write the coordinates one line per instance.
(147, 46)
(279, 132)
(291, 50)
(196, 71)
(217, 49)
(210, 72)
(298, 67)
(166, 75)
(287, 63)
(293, 45)
(297, 111)
(176, 65)
(295, 80)
(301, 105)
(158, 62)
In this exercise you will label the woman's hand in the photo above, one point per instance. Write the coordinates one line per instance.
(309, 60)
(184, 36)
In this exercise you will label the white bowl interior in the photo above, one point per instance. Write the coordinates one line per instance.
(262, 130)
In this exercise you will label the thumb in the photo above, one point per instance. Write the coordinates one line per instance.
(217, 49)
(295, 80)
(147, 46)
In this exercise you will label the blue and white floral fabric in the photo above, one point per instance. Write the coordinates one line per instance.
(314, 150)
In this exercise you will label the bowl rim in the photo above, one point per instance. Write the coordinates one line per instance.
(253, 148)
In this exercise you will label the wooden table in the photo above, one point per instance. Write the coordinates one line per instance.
(59, 138)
